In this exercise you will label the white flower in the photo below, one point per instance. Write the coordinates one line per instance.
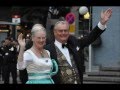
(11, 49)
(77, 48)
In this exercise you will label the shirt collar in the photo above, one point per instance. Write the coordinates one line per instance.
(57, 43)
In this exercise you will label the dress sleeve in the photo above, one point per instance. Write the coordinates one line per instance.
(54, 69)
(48, 53)
(27, 58)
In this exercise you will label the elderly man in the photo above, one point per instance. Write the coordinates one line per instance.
(65, 49)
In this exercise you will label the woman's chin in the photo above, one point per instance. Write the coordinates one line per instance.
(39, 47)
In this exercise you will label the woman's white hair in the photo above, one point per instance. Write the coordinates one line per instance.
(36, 28)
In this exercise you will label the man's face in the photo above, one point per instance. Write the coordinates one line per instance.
(61, 33)
(7, 42)
(3, 44)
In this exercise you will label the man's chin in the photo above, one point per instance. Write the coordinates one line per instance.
(64, 40)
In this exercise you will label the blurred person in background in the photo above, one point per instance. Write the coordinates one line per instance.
(9, 62)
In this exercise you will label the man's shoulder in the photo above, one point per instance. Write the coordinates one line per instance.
(50, 44)
(72, 40)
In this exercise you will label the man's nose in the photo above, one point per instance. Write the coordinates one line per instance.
(42, 39)
(63, 31)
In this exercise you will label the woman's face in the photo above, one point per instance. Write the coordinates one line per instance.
(39, 39)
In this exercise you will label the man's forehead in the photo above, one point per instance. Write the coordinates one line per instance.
(61, 24)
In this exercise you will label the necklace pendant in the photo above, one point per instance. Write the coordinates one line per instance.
(42, 55)
(46, 60)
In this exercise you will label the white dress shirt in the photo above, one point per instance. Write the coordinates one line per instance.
(102, 27)
(65, 50)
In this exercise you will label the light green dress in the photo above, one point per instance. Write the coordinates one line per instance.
(40, 70)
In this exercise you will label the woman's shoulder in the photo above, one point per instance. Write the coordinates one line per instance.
(27, 51)
(28, 55)
(48, 52)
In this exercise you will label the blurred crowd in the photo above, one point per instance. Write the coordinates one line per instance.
(9, 49)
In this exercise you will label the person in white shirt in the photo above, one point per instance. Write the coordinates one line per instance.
(65, 49)
(36, 60)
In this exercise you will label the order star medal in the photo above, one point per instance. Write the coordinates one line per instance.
(63, 57)
(69, 72)
(11, 49)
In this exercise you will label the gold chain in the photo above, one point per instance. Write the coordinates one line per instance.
(41, 53)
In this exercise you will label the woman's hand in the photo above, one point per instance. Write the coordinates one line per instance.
(21, 40)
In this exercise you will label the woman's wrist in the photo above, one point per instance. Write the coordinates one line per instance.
(22, 47)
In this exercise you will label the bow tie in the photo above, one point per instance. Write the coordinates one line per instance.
(64, 45)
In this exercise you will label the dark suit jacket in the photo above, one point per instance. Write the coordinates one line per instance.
(77, 54)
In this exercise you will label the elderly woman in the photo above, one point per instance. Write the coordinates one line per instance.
(40, 67)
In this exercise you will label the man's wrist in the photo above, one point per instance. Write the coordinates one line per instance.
(102, 27)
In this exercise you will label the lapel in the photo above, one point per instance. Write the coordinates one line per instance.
(72, 48)
(75, 54)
